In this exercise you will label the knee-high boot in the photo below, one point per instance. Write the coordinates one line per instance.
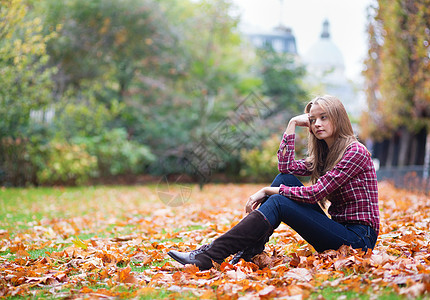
(247, 233)
(248, 253)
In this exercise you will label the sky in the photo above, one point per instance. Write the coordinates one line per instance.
(347, 19)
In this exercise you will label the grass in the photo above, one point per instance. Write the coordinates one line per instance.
(332, 293)
(23, 209)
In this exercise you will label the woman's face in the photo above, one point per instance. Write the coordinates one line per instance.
(321, 126)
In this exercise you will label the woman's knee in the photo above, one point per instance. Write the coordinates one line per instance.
(275, 202)
(272, 209)
(278, 208)
(286, 179)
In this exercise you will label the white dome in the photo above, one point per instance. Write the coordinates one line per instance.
(325, 54)
(326, 72)
(324, 58)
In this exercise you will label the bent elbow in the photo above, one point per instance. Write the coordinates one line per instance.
(282, 169)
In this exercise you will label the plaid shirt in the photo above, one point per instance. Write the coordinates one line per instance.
(351, 184)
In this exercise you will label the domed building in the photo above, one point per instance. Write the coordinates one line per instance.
(280, 38)
(324, 59)
(324, 63)
(326, 72)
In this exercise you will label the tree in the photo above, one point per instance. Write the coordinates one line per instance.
(282, 78)
(212, 80)
(114, 60)
(25, 83)
(108, 41)
(397, 74)
(137, 71)
(25, 86)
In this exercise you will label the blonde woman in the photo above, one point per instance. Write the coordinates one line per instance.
(341, 172)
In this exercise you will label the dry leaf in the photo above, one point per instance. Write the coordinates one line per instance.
(289, 269)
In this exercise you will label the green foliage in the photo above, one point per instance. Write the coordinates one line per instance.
(123, 80)
(115, 154)
(25, 88)
(25, 81)
(281, 82)
(214, 77)
(87, 123)
(172, 84)
(397, 68)
(261, 164)
(66, 164)
(121, 39)
(282, 77)
(82, 118)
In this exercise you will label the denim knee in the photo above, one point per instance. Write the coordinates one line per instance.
(272, 209)
(286, 179)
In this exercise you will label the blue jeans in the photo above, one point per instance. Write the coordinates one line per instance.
(312, 224)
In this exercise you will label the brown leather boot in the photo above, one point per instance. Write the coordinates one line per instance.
(248, 253)
(247, 233)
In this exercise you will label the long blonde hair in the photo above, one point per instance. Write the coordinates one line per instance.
(321, 159)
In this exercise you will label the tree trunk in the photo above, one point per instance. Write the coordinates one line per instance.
(427, 158)
(405, 140)
(413, 153)
(391, 150)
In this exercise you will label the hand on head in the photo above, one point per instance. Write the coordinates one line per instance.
(301, 120)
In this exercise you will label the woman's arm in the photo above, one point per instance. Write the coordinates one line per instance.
(286, 156)
(259, 197)
(355, 160)
(300, 120)
(256, 199)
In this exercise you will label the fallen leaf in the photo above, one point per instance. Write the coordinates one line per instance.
(79, 243)
(125, 276)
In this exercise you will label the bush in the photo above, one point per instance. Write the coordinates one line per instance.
(81, 117)
(261, 164)
(16, 169)
(116, 154)
(65, 163)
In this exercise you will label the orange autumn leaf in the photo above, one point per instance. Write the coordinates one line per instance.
(190, 269)
(125, 276)
(86, 290)
(22, 253)
(289, 267)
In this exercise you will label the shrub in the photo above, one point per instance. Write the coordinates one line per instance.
(115, 153)
(16, 168)
(261, 163)
(66, 163)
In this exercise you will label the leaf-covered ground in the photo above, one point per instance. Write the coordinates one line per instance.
(112, 243)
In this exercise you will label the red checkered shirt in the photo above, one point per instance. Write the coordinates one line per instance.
(351, 184)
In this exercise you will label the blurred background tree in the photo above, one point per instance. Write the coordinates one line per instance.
(398, 79)
(282, 80)
(101, 89)
(25, 88)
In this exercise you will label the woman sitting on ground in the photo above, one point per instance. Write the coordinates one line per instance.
(341, 171)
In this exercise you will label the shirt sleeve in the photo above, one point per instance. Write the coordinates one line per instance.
(348, 167)
(287, 162)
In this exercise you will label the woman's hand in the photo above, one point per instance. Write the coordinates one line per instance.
(260, 197)
(300, 120)
(255, 200)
